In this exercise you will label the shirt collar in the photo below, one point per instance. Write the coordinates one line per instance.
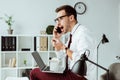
(74, 28)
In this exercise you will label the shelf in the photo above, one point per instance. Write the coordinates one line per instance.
(9, 68)
(24, 45)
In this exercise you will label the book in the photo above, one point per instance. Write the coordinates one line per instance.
(34, 43)
(43, 43)
(8, 43)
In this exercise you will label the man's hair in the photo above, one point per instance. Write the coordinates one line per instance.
(68, 9)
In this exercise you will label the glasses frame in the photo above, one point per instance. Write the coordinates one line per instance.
(59, 18)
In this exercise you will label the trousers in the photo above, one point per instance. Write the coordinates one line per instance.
(37, 74)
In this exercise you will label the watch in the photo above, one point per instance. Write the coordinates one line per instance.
(65, 50)
(80, 8)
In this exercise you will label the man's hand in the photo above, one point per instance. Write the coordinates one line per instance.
(57, 44)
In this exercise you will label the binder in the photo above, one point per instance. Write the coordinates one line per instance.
(43, 43)
(8, 43)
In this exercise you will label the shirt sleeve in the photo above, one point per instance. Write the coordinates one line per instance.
(62, 58)
(60, 54)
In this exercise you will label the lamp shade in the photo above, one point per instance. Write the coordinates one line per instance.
(104, 39)
(80, 67)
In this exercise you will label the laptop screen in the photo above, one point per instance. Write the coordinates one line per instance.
(38, 60)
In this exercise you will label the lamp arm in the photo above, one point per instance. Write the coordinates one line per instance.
(97, 58)
(99, 44)
(99, 66)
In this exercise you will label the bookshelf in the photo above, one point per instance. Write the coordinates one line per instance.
(15, 53)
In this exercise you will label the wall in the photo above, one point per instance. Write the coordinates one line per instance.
(102, 16)
(119, 19)
(30, 16)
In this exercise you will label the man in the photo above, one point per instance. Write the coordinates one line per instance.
(80, 42)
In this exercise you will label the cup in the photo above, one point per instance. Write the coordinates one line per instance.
(55, 64)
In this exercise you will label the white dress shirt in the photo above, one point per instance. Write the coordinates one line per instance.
(82, 40)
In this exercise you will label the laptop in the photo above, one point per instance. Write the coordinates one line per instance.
(42, 65)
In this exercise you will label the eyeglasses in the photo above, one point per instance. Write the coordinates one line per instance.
(60, 18)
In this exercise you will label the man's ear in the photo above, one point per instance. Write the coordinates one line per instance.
(71, 17)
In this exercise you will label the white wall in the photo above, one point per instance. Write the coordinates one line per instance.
(119, 19)
(102, 16)
(30, 15)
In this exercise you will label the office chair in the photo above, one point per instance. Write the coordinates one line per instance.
(114, 72)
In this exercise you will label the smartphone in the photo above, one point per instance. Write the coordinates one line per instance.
(59, 30)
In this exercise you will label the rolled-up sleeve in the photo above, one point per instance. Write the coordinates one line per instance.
(60, 54)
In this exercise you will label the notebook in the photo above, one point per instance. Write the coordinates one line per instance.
(42, 65)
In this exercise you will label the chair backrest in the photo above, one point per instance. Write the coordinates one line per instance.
(17, 78)
(114, 71)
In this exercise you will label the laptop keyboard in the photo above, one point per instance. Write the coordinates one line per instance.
(47, 69)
